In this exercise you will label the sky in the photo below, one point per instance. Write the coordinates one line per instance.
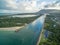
(21, 6)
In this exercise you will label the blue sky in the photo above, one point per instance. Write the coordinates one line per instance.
(26, 5)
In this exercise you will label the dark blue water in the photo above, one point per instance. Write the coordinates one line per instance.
(26, 36)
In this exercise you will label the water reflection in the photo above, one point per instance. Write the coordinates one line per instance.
(26, 36)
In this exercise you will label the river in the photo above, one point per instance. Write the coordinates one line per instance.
(28, 35)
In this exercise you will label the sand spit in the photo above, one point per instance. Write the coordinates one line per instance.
(11, 28)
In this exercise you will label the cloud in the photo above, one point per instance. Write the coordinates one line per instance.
(27, 5)
(53, 5)
(42, 4)
(21, 5)
(2, 4)
(9, 11)
(31, 6)
(8, 4)
(11, 4)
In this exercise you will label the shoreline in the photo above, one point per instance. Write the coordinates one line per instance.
(11, 28)
(39, 39)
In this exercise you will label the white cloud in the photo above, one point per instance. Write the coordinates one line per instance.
(31, 6)
(43, 4)
(57, 8)
(28, 6)
(11, 4)
(58, 4)
(22, 5)
(54, 5)
(9, 11)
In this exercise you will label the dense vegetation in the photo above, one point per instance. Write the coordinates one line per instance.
(9, 21)
(53, 27)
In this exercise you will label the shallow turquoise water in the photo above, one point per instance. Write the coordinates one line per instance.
(26, 36)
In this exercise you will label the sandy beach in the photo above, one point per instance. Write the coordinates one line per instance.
(11, 28)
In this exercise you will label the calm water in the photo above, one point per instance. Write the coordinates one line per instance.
(26, 36)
